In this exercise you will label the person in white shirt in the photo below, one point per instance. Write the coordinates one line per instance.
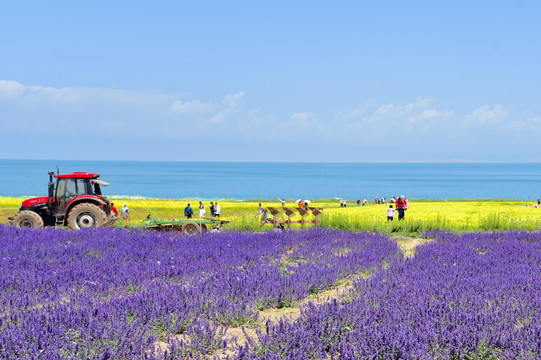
(202, 210)
(390, 213)
(125, 212)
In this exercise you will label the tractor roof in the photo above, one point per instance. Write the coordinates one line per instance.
(78, 175)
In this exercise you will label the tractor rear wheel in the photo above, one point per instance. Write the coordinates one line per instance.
(27, 219)
(86, 215)
(190, 228)
(111, 219)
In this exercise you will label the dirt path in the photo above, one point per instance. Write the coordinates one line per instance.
(408, 245)
(275, 315)
(236, 336)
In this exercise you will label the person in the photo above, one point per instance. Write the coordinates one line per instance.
(390, 213)
(114, 210)
(358, 202)
(345, 202)
(217, 210)
(125, 212)
(376, 200)
(188, 211)
(341, 202)
(283, 202)
(212, 209)
(202, 210)
(538, 202)
(400, 203)
(262, 211)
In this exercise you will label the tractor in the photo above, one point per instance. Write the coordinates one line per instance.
(76, 201)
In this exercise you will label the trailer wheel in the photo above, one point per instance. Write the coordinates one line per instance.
(204, 229)
(27, 219)
(86, 215)
(190, 228)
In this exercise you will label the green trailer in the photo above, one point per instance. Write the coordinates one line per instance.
(192, 226)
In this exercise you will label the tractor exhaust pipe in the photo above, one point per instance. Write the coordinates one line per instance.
(51, 189)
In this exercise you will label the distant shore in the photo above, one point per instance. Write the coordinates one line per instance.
(288, 201)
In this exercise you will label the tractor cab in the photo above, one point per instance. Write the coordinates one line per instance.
(78, 186)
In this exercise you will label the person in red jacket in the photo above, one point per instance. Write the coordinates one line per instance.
(401, 207)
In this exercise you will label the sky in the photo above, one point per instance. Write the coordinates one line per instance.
(343, 81)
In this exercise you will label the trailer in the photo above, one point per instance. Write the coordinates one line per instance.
(190, 227)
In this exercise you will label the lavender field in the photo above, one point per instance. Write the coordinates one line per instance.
(476, 296)
(108, 293)
(127, 294)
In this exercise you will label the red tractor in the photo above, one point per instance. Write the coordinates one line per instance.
(75, 201)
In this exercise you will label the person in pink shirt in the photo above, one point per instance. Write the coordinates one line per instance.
(401, 207)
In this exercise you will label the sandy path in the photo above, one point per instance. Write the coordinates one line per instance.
(237, 337)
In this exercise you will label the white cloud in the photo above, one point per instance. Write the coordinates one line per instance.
(527, 125)
(303, 119)
(191, 107)
(254, 121)
(13, 90)
(412, 119)
(230, 107)
(10, 89)
(207, 111)
(485, 115)
(429, 121)
(350, 114)
(422, 103)
(38, 109)
(169, 119)
(303, 126)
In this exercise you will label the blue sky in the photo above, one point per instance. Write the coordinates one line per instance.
(271, 81)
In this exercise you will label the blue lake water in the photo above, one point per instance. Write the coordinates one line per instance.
(242, 181)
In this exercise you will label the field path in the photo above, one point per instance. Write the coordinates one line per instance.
(408, 245)
(237, 336)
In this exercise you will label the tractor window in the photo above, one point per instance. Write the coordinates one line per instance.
(66, 188)
(81, 187)
(60, 188)
(70, 190)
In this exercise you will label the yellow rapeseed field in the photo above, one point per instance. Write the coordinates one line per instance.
(460, 215)
(452, 215)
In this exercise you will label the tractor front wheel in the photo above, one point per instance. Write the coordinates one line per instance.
(86, 216)
(27, 219)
